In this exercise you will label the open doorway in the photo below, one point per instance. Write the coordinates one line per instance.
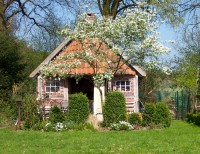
(85, 86)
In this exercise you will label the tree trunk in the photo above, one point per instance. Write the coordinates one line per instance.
(109, 8)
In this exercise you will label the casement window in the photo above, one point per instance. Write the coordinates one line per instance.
(52, 86)
(123, 85)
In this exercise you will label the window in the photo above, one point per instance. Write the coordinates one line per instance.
(123, 85)
(52, 86)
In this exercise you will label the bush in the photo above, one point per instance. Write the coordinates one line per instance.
(162, 115)
(134, 119)
(147, 116)
(194, 118)
(81, 126)
(78, 109)
(115, 108)
(30, 115)
(40, 125)
(56, 115)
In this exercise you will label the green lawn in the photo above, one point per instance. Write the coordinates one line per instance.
(179, 138)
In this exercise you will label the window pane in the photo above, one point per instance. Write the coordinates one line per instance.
(122, 88)
(118, 83)
(127, 82)
(52, 89)
(127, 88)
(56, 89)
(53, 83)
(57, 84)
(47, 89)
(122, 82)
(47, 83)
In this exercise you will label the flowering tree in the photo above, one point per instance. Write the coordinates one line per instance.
(107, 45)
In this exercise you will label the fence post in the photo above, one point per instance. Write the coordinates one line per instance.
(19, 115)
(177, 105)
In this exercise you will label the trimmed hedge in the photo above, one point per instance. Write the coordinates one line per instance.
(162, 115)
(78, 109)
(194, 118)
(56, 115)
(147, 116)
(156, 115)
(115, 108)
(135, 118)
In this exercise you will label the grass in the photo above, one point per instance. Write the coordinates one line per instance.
(179, 138)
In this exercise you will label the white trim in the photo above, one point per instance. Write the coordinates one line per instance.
(39, 87)
(136, 94)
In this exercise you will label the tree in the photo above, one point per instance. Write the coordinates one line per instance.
(27, 14)
(11, 66)
(190, 10)
(156, 77)
(167, 9)
(46, 40)
(111, 44)
(188, 64)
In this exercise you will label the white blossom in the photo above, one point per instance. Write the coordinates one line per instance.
(130, 35)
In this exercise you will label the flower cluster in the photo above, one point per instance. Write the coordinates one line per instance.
(131, 35)
(55, 127)
(100, 77)
(122, 125)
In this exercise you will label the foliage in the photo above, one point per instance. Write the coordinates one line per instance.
(167, 9)
(81, 126)
(156, 115)
(150, 85)
(194, 118)
(40, 125)
(9, 108)
(190, 11)
(147, 116)
(8, 112)
(187, 70)
(11, 67)
(162, 115)
(78, 109)
(122, 125)
(30, 113)
(105, 36)
(115, 108)
(135, 118)
(56, 115)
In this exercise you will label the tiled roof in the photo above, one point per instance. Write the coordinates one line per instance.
(71, 46)
(85, 69)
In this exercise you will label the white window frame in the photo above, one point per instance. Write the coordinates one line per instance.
(53, 86)
(123, 87)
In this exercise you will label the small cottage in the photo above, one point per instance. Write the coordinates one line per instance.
(56, 90)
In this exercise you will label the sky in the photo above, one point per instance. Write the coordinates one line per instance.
(167, 33)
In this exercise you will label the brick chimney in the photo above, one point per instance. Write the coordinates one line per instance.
(91, 17)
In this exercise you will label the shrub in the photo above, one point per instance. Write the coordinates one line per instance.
(30, 115)
(190, 118)
(56, 115)
(134, 119)
(81, 126)
(39, 126)
(115, 108)
(78, 109)
(162, 115)
(194, 118)
(147, 116)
